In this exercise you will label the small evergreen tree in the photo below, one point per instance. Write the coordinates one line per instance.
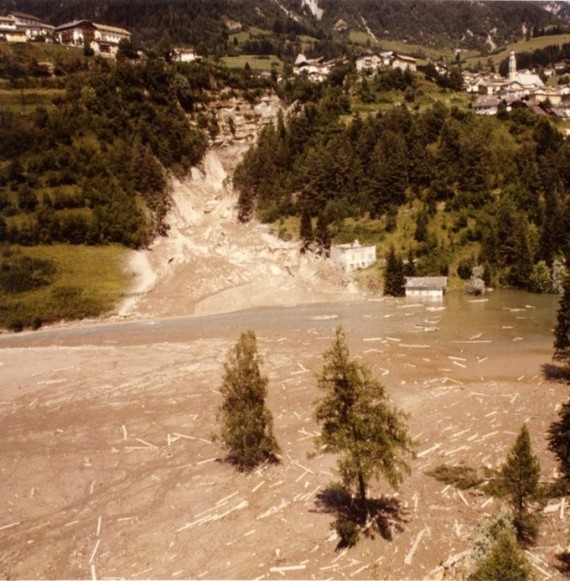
(520, 476)
(357, 422)
(246, 424)
(562, 328)
(559, 440)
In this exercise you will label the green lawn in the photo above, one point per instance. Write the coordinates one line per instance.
(89, 282)
(256, 62)
(26, 100)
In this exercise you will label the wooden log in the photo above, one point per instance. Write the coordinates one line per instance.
(226, 498)
(428, 451)
(410, 556)
(258, 486)
(94, 551)
(286, 568)
(144, 442)
(13, 524)
(460, 494)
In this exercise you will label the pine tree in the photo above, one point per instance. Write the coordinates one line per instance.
(562, 328)
(246, 424)
(357, 422)
(394, 279)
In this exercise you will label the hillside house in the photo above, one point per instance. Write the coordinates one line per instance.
(9, 32)
(353, 256)
(103, 39)
(185, 55)
(316, 70)
(372, 62)
(32, 26)
(404, 63)
(369, 62)
(426, 286)
(486, 105)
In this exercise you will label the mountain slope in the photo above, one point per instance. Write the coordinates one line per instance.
(427, 22)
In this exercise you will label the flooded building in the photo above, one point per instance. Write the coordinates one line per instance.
(426, 286)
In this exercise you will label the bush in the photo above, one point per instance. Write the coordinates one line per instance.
(462, 477)
(21, 273)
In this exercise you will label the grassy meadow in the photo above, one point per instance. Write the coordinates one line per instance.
(88, 282)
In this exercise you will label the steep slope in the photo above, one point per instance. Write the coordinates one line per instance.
(209, 262)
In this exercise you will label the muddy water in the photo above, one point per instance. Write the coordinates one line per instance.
(489, 331)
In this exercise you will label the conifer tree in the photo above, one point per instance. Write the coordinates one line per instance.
(246, 423)
(357, 422)
(394, 279)
(562, 328)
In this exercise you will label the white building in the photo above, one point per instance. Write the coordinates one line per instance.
(9, 31)
(353, 256)
(185, 55)
(32, 26)
(103, 39)
(426, 286)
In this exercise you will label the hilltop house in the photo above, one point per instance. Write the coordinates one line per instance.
(426, 286)
(316, 70)
(371, 61)
(353, 256)
(103, 39)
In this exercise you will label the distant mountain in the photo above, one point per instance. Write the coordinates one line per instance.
(430, 23)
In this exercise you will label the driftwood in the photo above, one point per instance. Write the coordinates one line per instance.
(409, 557)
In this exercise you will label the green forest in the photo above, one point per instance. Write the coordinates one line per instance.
(495, 186)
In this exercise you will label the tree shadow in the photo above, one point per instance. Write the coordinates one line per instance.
(563, 562)
(555, 372)
(383, 516)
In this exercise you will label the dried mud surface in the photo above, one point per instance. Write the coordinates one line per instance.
(108, 466)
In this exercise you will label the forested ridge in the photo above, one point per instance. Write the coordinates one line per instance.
(496, 187)
(209, 24)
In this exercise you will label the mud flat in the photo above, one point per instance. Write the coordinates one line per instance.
(109, 469)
